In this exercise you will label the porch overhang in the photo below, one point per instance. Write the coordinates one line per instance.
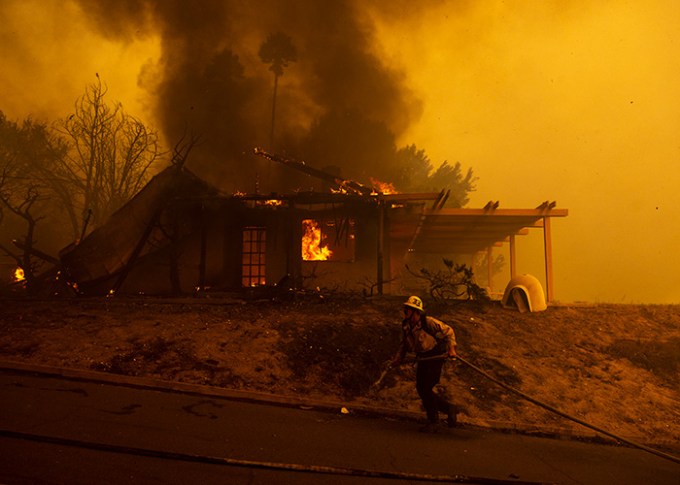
(471, 231)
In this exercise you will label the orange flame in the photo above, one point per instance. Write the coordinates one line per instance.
(312, 250)
(382, 187)
(19, 275)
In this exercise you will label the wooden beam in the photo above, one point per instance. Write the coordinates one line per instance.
(499, 212)
(36, 252)
(423, 196)
(381, 245)
(204, 249)
(474, 231)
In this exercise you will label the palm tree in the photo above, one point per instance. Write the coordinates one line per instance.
(278, 50)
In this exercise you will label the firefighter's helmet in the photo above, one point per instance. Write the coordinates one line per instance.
(415, 303)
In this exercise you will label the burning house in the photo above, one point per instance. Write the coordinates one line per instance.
(181, 235)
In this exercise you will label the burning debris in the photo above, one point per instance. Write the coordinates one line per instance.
(272, 202)
(384, 188)
(19, 275)
(340, 185)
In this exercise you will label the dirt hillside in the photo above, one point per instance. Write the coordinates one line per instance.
(616, 367)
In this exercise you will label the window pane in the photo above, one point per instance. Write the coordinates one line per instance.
(253, 257)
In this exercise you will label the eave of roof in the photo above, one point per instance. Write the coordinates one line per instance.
(466, 231)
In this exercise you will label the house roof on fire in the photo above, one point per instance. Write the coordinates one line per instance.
(435, 229)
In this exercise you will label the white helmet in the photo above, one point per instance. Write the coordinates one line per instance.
(415, 303)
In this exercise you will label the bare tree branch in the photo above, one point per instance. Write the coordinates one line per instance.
(110, 157)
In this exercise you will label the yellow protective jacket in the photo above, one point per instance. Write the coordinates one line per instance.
(425, 337)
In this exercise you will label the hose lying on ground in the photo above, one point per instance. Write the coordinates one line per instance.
(285, 467)
(557, 411)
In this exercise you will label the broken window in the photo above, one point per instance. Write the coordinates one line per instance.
(328, 240)
(253, 259)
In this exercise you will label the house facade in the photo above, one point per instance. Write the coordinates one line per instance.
(180, 235)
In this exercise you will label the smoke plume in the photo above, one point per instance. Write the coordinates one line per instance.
(338, 105)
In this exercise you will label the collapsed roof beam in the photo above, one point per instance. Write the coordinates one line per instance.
(349, 185)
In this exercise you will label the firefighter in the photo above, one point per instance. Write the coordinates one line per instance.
(427, 337)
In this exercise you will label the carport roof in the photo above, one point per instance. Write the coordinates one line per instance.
(467, 231)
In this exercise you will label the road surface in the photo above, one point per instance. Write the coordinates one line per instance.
(57, 430)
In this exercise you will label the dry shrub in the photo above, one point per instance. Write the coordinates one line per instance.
(662, 358)
(344, 355)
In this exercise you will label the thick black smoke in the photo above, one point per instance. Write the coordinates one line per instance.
(338, 105)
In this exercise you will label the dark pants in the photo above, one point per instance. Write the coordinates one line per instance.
(428, 373)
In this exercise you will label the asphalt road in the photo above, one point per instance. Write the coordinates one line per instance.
(57, 430)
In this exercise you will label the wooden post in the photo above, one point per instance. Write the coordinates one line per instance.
(294, 252)
(204, 249)
(547, 244)
(489, 267)
(513, 257)
(381, 245)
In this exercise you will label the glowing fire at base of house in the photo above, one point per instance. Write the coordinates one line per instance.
(19, 275)
(312, 249)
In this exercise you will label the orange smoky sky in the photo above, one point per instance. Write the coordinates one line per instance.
(50, 54)
(572, 101)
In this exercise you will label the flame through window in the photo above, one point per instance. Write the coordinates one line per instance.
(314, 246)
(330, 240)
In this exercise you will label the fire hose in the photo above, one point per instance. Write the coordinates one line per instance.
(539, 403)
(283, 467)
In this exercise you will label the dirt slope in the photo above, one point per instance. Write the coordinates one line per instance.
(614, 366)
